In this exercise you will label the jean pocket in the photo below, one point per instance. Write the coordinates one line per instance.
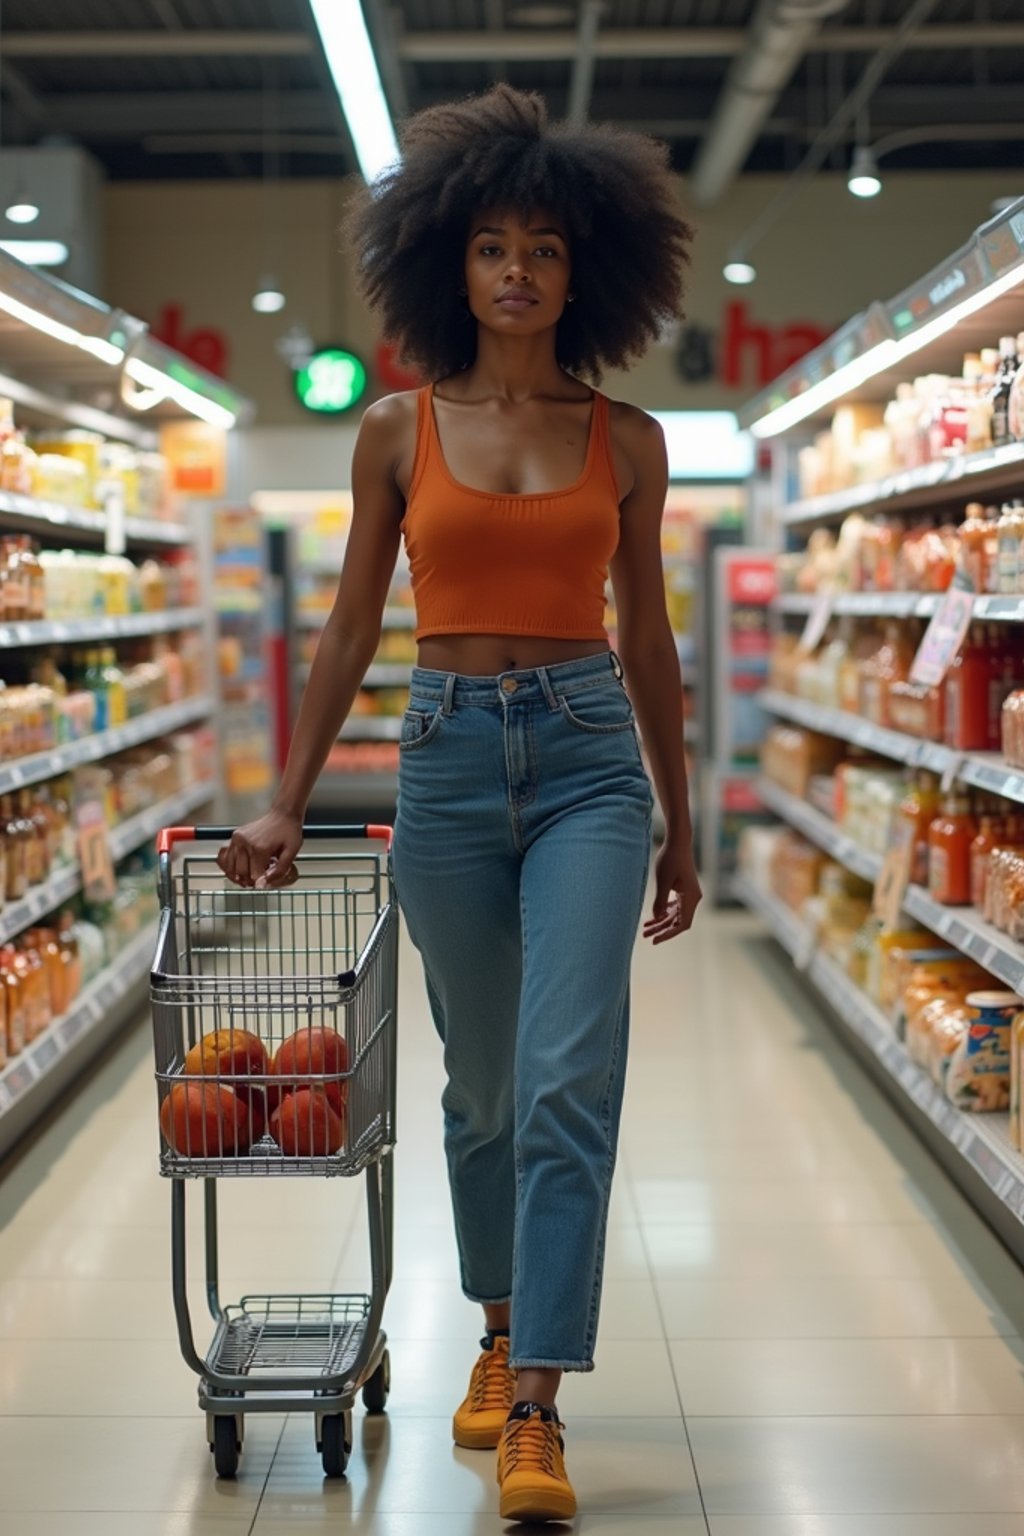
(419, 726)
(601, 711)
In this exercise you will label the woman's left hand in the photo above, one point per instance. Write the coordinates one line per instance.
(677, 891)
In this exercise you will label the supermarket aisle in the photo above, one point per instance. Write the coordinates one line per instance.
(806, 1332)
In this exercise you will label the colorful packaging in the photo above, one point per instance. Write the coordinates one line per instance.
(978, 1078)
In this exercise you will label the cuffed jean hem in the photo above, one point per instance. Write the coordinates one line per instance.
(550, 1365)
(486, 1301)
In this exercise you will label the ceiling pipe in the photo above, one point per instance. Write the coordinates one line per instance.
(581, 84)
(780, 34)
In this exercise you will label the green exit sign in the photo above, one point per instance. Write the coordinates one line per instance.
(331, 382)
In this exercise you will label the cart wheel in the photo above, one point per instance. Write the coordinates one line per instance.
(334, 1449)
(375, 1391)
(225, 1445)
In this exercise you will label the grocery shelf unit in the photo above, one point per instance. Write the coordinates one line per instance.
(976, 1149)
(962, 305)
(361, 774)
(65, 358)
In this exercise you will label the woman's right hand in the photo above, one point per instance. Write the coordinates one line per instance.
(261, 855)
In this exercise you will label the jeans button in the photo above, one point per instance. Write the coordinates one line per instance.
(509, 685)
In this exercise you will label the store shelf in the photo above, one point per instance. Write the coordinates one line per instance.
(983, 770)
(902, 605)
(33, 1078)
(46, 765)
(49, 517)
(985, 476)
(336, 785)
(398, 618)
(970, 297)
(381, 674)
(982, 1142)
(74, 631)
(306, 620)
(960, 926)
(124, 839)
(371, 728)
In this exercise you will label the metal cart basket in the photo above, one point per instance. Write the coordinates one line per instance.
(274, 1026)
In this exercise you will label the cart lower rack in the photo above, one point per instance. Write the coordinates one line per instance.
(274, 1026)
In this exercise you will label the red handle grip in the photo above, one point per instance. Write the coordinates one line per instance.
(168, 836)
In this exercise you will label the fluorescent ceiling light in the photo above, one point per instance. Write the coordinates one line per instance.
(152, 379)
(739, 272)
(879, 358)
(353, 66)
(37, 253)
(705, 445)
(104, 350)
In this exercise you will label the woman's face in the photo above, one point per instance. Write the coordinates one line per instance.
(517, 271)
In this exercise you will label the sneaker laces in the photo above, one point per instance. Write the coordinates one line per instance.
(533, 1441)
(491, 1381)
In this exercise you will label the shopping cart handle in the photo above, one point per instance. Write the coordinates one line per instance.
(168, 836)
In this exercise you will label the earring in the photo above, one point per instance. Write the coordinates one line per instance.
(463, 293)
(570, 298)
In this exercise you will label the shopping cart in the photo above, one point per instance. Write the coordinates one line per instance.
(274, 1015)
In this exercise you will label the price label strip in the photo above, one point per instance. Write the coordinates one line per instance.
(944, 635)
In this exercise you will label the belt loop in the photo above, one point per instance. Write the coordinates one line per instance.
(616, 665)
(448, 702)
(546, 688)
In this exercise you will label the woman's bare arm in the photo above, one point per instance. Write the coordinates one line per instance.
(648, 650)
(264, 850)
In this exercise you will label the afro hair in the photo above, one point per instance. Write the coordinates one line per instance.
(628, 242)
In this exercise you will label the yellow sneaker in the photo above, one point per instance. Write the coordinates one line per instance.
(480, 1419)
(531, 1467)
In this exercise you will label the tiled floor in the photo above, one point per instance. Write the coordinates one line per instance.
(806, 1332)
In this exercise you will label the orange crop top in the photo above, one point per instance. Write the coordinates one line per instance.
(528, 564)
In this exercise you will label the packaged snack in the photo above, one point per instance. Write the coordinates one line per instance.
(949, 1026)
(949, 975)
(1016, 1066)
(978, 1077)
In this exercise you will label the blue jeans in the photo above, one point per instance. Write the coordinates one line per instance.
(521, 850)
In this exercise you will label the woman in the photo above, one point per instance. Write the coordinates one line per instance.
(507, 256)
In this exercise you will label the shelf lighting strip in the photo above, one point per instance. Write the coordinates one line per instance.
(878, 359)
(106, 351)
(162, 387)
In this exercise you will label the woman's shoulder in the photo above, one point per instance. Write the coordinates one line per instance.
(390, 413)
(633, 430)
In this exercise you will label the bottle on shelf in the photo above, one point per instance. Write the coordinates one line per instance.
(14, 582)
(69, 950)
(15, 836)
(991, 834)
(113, 680)
(1007, 546)
(11, 983)
(949, 851)
(1008, 366)
(967, 695)
(1016, 406)
(976, 536)
(890, 664)
(917, 811)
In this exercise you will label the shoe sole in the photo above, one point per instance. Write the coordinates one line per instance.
(476, 1439)
(531, 1506)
